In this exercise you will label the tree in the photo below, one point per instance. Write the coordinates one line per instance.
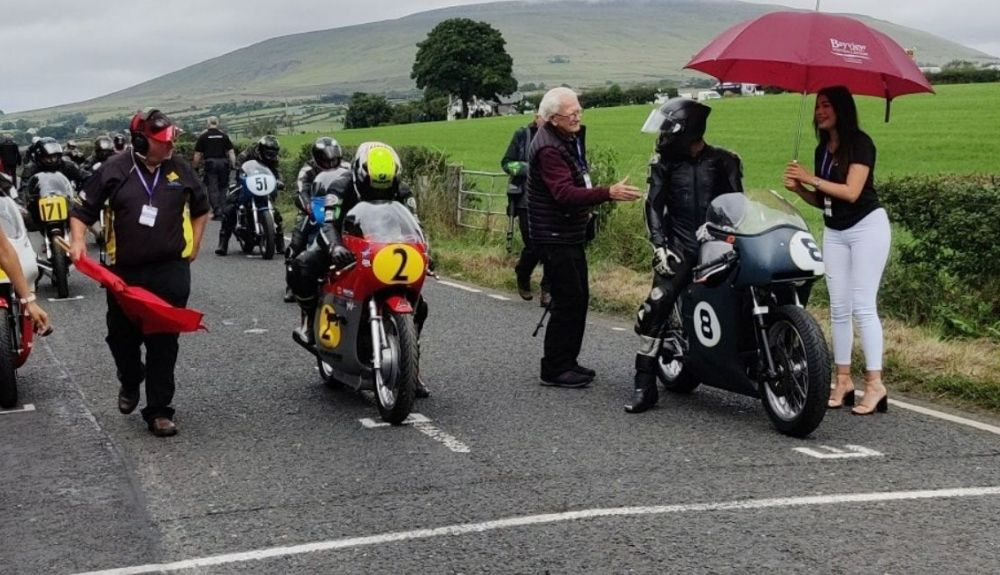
(465, 58)
(367, 111)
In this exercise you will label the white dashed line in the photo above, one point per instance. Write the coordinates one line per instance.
(255, 331)
(459, 286)
(74, 298)
(618, 329)
(424, 425)
(370, 423)
(549, 518)
(945, 416)
(848, 452)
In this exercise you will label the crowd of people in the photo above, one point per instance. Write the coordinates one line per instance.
(160, 208)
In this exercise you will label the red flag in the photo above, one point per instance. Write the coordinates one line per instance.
(150, 311)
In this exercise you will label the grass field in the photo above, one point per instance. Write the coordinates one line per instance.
(954, 131)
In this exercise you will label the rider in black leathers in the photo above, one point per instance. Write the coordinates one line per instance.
(49, 158)
(685, 175)
(327, 248)
(327, 156)
(104, 148)
(265, 151)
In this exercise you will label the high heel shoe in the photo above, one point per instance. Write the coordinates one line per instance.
(847, 398)
(881, 406)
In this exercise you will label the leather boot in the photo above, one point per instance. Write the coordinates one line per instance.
(223, 248)
(646, 393)
(305, 332)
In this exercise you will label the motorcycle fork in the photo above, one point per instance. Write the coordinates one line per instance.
(759, 313)
(378, 337)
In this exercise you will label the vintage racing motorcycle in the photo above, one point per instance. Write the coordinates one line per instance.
(741, 325)
(54, 192)
(255, 214)
(364, 327)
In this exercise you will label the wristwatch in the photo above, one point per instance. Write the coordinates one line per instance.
(27, 300)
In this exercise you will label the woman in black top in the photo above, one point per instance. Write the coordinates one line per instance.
(856, 240)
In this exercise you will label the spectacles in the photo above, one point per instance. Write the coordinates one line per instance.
(575, 115)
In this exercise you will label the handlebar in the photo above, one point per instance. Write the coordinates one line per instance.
(726, 259)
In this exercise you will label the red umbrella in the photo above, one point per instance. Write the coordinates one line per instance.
(150, 311)
(808, 51)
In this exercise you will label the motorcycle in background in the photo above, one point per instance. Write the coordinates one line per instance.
(255, 215)
(364, 327)
(54, 192)
(741, 325)
(16, 330)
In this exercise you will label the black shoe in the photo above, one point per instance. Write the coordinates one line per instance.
(221, 250)
(127, 400)
(585, 371)
(289, 296)
(421, 391)
(524, 289)
(568, 378)
(162, 427)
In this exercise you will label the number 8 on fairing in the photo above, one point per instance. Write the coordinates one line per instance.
(706, 325)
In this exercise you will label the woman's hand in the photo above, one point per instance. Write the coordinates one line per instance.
(795, 171)
(39, 319)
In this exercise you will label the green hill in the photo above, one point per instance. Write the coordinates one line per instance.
(577, 43)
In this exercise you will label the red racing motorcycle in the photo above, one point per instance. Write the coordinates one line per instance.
(16, 330)
(364, 327)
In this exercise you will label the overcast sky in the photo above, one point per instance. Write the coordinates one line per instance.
(61, 51)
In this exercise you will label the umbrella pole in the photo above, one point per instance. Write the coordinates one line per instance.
(798, 127)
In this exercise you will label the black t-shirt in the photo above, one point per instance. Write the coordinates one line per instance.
(839, 214)
(176, 187)
(213, 143)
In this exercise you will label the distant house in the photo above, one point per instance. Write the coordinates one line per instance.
(506, 106)
(930, 69)
(736, 88)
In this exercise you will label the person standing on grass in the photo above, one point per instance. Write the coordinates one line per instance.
(561, 197)
(856, 240)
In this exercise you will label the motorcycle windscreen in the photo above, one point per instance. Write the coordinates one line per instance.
(752, 213)
(257, 179)
(383, 222)
(52, 184)
(10, 219)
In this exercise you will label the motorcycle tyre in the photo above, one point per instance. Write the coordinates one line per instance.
(326, 374)
(401, 333)
(8, 374)
(267, 246)
(682, 383)
(60, 272)
(817, 358)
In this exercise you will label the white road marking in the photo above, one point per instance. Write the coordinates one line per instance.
(549, 518)
(256, 330)
(499, 297)
(428, 429)
(459, 286)
(370, 423)
(76, 297)
(23, 409)
(849, 452)
(942, 415)
(618, 329)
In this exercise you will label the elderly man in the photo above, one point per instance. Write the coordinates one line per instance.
(560, 200)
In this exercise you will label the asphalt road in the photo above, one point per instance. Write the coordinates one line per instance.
(274, 473)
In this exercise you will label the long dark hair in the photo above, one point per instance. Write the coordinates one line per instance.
(847, 123)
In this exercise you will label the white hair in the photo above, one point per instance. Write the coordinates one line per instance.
(553, 100)
(213, 122)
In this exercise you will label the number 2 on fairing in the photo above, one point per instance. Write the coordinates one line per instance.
(398, 264)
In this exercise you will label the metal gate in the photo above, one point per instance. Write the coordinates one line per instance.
(482, 200)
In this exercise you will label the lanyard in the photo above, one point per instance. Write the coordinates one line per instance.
(826, 168)
(579, 155)
(149, 188)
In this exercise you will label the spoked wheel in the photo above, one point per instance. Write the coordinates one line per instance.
(796, 399)
(396, 382)
(267, 246)
(60, 272)
(8, 375)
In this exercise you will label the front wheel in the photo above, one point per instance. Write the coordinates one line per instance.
(60, 272)
(396, 389)
(8, 375)
(267, 235)
(796, 399)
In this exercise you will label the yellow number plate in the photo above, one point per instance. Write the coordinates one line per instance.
(398, 264)
(329, 327)
(53, 208)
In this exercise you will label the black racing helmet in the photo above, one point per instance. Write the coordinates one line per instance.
(327, 153)
(679, 121)
(49, 152)
(268, 148)
(118, 142)
(104, 148)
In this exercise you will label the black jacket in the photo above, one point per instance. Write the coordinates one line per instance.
(515, 164)
(680, 191)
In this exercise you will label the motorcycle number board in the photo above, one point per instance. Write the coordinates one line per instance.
(53, 208)
(328, 327)
(398, 264)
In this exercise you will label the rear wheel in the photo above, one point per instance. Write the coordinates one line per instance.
(8, 375)
(796, 400)
(395, 390)
(326, 374)
(267, 246)
(674, 377)
(60, 272)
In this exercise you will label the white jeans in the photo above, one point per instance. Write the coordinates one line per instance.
(855, 259)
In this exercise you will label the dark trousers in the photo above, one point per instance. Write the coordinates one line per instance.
(566, 270)
(217, 183)
(654, 315)
(529, 254)
(171, 281)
